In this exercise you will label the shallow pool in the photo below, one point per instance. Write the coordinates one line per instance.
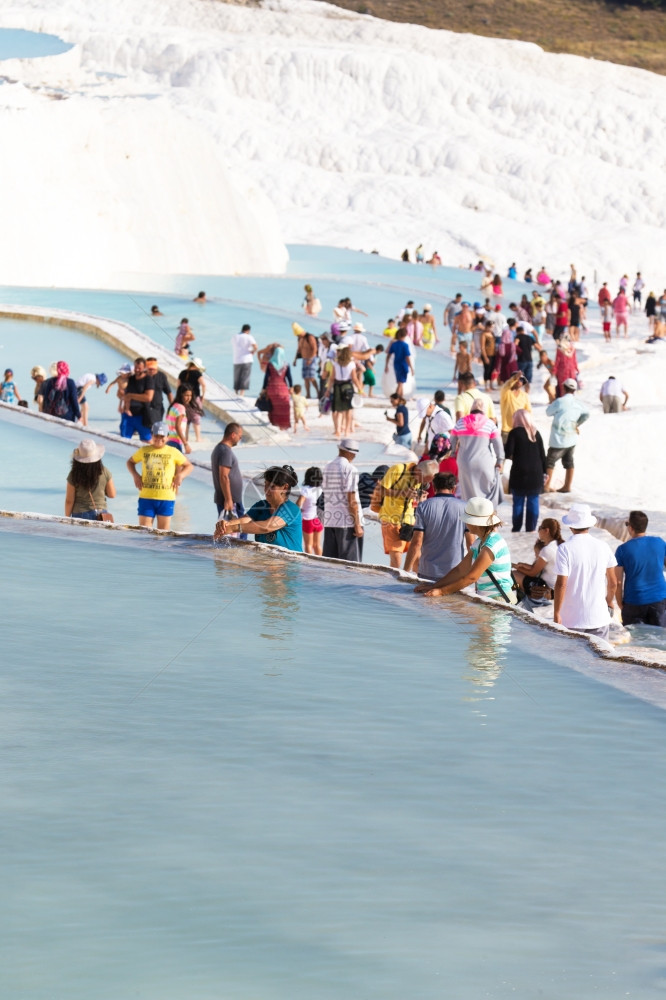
(16, 43)
(36, 466)
(237, 777)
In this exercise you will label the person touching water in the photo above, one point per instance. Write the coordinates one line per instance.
(276, 520)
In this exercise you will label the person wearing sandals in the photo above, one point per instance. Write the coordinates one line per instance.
(89, 483)
(487, 565)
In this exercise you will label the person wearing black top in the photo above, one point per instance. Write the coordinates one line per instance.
(161, 388)
(192, 376)
(403, 435)
(524, 447)
(137, 397)
(524, 343)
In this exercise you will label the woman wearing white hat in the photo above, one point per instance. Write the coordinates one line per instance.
(89, 483)
(487, 564)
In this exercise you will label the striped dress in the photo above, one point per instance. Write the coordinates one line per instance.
(500, 567)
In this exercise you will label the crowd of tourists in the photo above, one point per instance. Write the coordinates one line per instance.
(438, 506)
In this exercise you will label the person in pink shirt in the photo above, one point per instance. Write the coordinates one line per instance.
(415, 329)
(543, 278)
(621, 311)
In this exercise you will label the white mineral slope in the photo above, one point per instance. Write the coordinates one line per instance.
(359, 132)
(96, 187)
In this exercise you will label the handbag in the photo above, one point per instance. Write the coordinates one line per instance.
(406, 531)
(100, 515)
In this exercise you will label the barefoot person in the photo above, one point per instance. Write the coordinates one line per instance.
(162, 471)
(568, 414)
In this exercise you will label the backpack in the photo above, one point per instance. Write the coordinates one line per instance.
(56, 402)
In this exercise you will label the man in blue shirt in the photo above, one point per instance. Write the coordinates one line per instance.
(402, 362)
(641, 588)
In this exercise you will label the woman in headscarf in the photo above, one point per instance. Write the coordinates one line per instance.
(566, 363)
(528, 469)
(480, 455)
(507, 355)
(59, 395)
(277, 385)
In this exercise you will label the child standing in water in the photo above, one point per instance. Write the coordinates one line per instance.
(8, 391)
(313, 529)
(463, 360)
(300, 407)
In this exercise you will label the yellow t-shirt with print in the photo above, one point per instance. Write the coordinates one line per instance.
(393, 510)
(158, 467)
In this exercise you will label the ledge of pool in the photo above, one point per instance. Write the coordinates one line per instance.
(122, 534)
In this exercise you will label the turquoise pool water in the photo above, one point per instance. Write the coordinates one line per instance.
(378, 286)
(36, 467)
(15, 43)
(229, 776)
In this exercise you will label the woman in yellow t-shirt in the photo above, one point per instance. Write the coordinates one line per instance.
(513, 397)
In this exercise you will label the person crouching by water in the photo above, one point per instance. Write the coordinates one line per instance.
(275, 520)
(89, 483)
(487, 564)
(162, 471)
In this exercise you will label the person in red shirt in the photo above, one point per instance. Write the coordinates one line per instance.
(604, 294)
(561, 319)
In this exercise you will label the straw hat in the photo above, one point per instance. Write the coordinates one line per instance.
(37, 370)
(88, 452)
(359, 328)
(481, 512)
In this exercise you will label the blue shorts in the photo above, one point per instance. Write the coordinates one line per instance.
(155, 508)
(130, 423)
(177, 445)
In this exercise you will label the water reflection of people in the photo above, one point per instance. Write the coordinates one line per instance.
(280, 605)
(488, 641)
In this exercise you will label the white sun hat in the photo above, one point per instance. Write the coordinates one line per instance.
(88, 451)
(359, 328)
(579, 515)
(481, 512)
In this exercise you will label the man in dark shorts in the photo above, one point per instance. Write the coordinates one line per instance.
(568, 414)
(227, 476)
(343, 517)
(641, 589)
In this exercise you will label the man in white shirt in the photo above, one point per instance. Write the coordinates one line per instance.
(244, 347)
(343, 516)
(359, 342)
(639, 285)
(611, 396)
(437, 419)
(84, 383)
(586, 582)
(499, 322)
